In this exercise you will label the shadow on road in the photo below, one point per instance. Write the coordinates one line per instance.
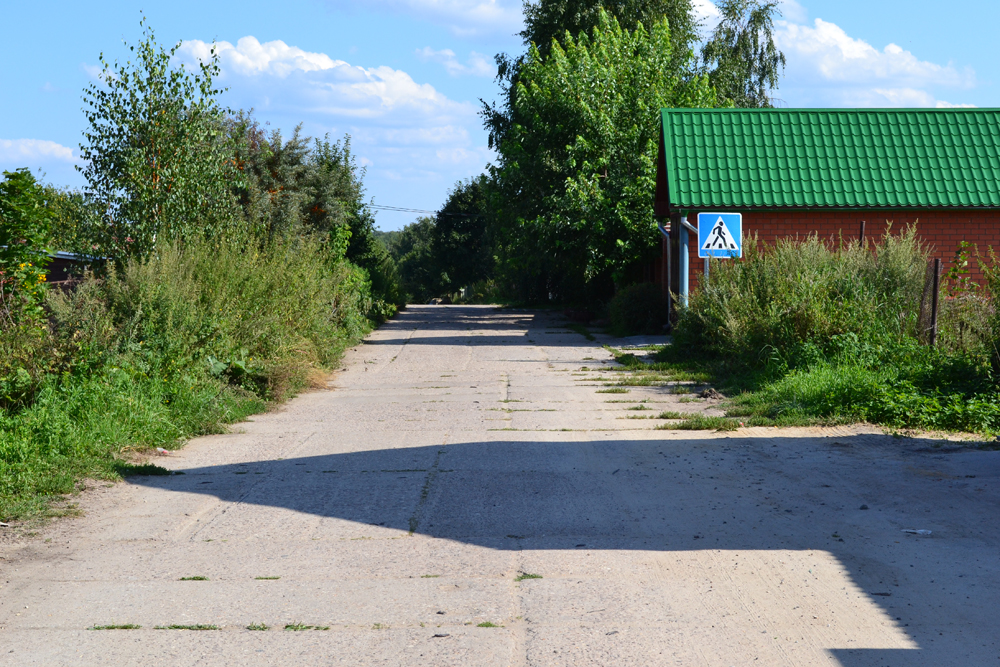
(844, 497)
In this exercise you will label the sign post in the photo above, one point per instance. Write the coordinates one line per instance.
(720, 235)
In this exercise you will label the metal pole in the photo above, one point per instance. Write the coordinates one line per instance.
(684, 268)
(706, 272)
(936, 285)
(861, 235)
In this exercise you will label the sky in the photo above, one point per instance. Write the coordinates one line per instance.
(404, 78)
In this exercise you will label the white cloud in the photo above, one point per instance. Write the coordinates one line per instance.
(476, 65)
(414, 141)
(837, 57)
(31, 152)
(828, 67)
(285, 76)
(466, 18)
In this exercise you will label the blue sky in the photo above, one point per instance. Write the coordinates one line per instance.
(403, 77)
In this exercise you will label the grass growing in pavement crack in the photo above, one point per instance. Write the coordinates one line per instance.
(525, 575)
(613, 390)
(380, 626)
(429, 576)
(198, 626)
(267, 578)
(299, 627)
(702, 423)
(672, 414)
(123, 626)
(487, 624)
(257, 627)
(193, 579)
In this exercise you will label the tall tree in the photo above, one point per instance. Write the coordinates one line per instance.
(461, 245)
(157, 160)
(576, 169)
(545, 20)
(743, 61)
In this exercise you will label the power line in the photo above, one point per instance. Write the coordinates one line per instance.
(401, 209)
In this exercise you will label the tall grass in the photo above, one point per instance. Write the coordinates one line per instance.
(192, 338)
(814, 331)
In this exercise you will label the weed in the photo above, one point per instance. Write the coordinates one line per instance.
(380, 626)
(257, 627)
(638, 407)
(124, 626)
(299, 627)
(702, 423)
(525, 575)
(186, 627)
(430, 576)
(613, 390)
(147, 469)
(197, 578)
(672, 414)
(267, 578)
(487, 624)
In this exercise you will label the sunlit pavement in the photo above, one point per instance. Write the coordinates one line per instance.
(464, 495)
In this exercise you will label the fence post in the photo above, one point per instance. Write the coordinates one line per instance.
(861, 235)
(935, 288)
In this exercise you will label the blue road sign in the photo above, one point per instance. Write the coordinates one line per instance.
(720, 234)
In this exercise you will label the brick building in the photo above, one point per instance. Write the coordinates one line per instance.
(796, 172)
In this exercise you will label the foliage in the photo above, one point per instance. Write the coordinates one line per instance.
(157, 161)
(808, 332)
(24, 239)
(638, 309)
(743, 61)
(789, 302)
(413, 251)
(550, 20)
(307, 185)
(576, 171)
(461, 244)
(194, 336)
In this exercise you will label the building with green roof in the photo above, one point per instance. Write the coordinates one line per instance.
(795, 172)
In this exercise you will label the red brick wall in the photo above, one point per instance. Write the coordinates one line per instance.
(943, 230)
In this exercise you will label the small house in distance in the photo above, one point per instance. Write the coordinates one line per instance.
(796, 172)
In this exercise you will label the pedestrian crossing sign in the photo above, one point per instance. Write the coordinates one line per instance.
(720, 235)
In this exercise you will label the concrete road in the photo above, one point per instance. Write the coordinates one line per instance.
(464, 495)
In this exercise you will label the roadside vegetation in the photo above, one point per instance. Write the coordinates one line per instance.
(819, 332)
(226, 269)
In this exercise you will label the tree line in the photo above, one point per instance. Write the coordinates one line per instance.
(564, 213)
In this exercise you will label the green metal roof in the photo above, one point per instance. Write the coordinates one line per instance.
(829, 158)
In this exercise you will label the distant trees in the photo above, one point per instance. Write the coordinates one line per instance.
(743, 62)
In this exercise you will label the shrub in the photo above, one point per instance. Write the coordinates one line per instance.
(789, 302)
(177, 344)
(638, 309)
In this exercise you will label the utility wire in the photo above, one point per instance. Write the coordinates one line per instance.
(400, 209)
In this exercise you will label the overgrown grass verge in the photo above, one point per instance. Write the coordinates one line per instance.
(178, 345)
(808, 333)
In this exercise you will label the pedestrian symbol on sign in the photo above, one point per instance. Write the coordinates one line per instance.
(719, 235)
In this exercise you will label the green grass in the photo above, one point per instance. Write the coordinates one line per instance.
(124, 626)
(186, 627)
(299, 627)
(613, 390)
(525, 575)
(181, 345)
(196, 578)
(672, 414)
(487, 624)
(266, 578)
(258, 627)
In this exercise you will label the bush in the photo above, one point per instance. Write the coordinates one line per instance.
(795, 298)
(638, 309)
(178, 344)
